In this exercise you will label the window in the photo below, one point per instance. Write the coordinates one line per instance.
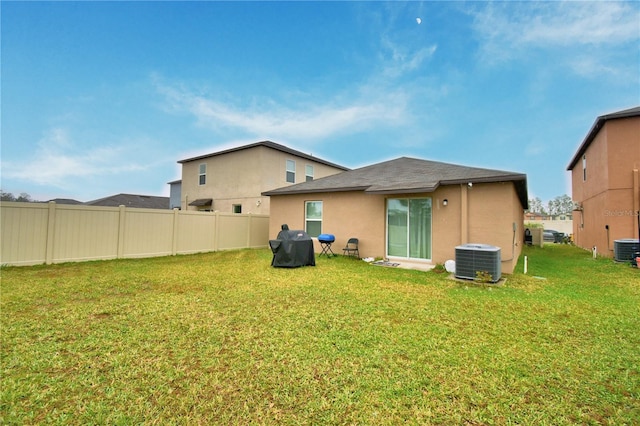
(584, 168)
(313, 217)
(308, 172)
(291, 171)
(237, 208)
(202, 174)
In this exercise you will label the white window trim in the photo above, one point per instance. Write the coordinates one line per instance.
(287, 171)
(200, 174)
(412, 259)
(306, 172)
(306, 219)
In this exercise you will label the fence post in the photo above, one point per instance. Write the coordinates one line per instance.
(51, 227)
(121, 221)
(250, 219)
(216, 227)
(174, 242)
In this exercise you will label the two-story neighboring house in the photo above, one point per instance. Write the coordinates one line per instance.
(233, 180)
(606, 182)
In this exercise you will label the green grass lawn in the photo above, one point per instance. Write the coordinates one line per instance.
(224, 338)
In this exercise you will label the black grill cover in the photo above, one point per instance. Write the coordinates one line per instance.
(292, 249)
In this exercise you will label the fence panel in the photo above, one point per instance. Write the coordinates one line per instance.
(259, 228)
(147, 233)
(34, 233)
(84, 233)
(196, 232)
(23, 234)
(237, 237)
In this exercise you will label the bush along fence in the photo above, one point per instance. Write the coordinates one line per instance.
(34, 233)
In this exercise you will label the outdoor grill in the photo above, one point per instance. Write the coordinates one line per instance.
(292, 249)
(325, 241)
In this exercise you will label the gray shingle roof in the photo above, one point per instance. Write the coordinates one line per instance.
(271, 145)
(132, 200)
(406, 175)
(597, 125)
(65, 201)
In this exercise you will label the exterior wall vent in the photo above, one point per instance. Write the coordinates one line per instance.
(474, 258)
(623, 250)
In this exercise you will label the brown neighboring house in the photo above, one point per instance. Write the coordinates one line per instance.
(606, 183)
(132, 200)
(233, 180)
(409, 209)
(536, 216)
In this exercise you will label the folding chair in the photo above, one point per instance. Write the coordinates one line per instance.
(351, 248)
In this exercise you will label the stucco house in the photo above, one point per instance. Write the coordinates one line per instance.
(605, 182)
(233, 180)
(175, 189)
(409, 209)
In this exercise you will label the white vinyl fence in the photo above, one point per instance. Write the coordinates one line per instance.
(34, 233)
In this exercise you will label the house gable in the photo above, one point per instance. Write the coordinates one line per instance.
(595, 129)
(606, 182)
(267, 144)
(234, 179)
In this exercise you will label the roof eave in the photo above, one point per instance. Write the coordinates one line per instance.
(312, 191)
(415, 190)
(595, 128)
(488, 179)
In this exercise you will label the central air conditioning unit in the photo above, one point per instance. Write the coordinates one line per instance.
(624, 250)
(474, 258)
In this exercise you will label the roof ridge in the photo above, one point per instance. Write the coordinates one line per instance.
(269, 144)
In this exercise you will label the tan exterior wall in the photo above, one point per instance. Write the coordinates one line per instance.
(610, 196)
(49, 233)
(345, 214)
(240, 177)
(484, 213)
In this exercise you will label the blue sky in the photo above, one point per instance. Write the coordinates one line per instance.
(100, 98)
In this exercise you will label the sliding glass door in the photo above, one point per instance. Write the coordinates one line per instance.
(409, 228)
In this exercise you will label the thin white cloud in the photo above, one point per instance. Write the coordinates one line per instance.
(58, 161)
(271, 120)
(558, 23)
(510, 29)
(382, 98)
(403, 59)
(587, 66)
(403, 48)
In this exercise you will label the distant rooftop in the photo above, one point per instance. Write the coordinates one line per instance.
(132, 200)
(267, 144)
(65, 201)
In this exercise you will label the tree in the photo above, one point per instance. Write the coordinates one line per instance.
(561, 205)
(535, 206)
(22, 198)
(6, 196)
